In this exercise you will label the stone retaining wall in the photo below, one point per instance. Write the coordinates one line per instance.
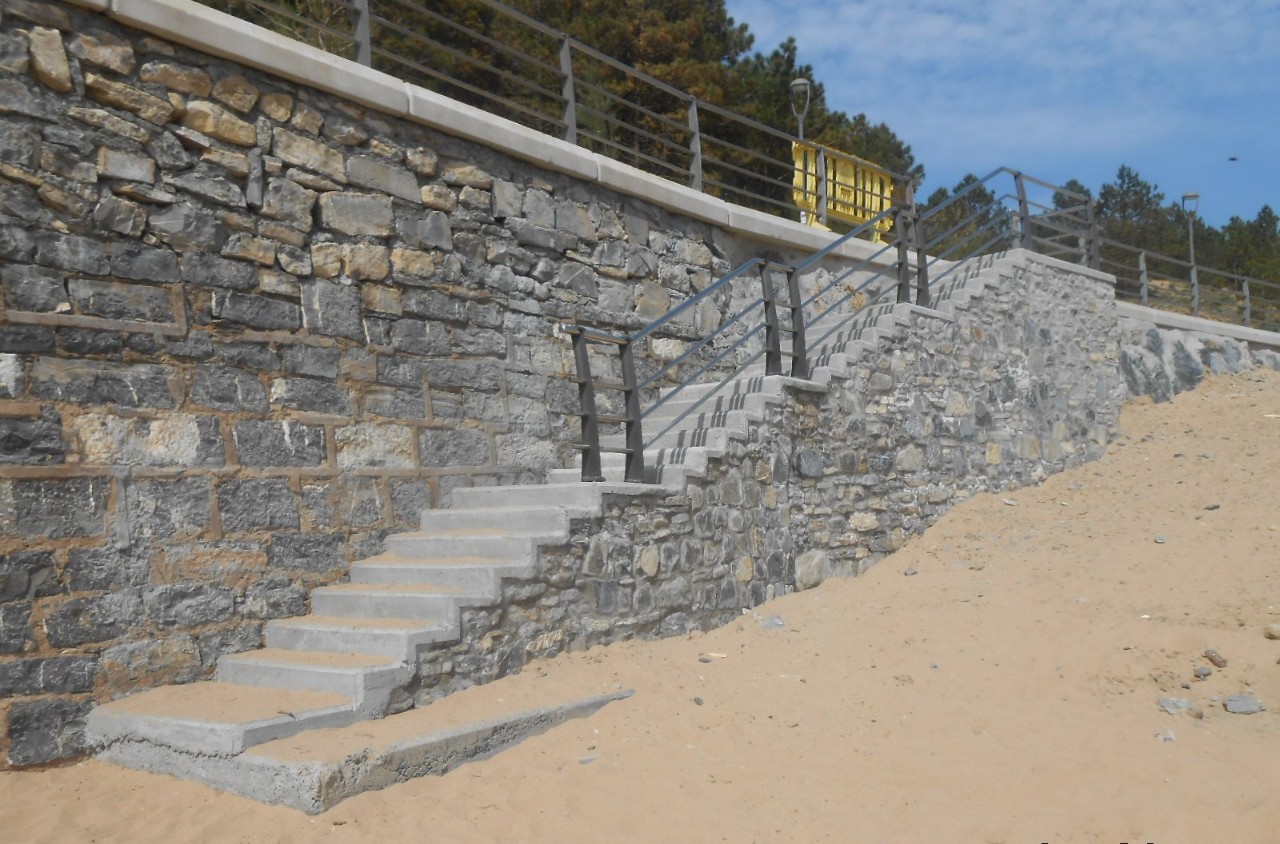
(1161, 361)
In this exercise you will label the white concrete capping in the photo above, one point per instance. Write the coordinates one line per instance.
(94, 5)
(795, 235)
(1068, 266)
(455, 118)
(219, 34)
(1186, 322)
(683, 200)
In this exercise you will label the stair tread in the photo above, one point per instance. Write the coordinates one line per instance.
(395, 589)
(390, 558)
(341, 622)
(223, 703)
(312, 659)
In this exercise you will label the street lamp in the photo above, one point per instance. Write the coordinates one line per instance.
(1190, 202)
(801, 89)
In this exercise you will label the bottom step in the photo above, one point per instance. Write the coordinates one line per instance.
(317, 770)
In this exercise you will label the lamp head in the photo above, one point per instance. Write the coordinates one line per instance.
(1190, 201)
(801, 89)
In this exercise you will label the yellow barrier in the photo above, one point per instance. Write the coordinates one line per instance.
(856, 191)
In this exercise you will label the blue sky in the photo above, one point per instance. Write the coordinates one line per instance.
(1057, 89)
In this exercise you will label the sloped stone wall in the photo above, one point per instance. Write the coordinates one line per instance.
(1161, 361)
(247, 330)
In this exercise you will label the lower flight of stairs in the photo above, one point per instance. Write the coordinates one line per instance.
(352, 657)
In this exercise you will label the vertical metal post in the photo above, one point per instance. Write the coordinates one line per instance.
(1248, 306)
(568, 92)
(1093, 257)
(799, 346)
(364, 45)
(1144, 280)
(1195, 278)
(695, 147)
(902, 223)
(772, 330)
(631, 395)
(587, 404)
(824, 189)
(1025, 240)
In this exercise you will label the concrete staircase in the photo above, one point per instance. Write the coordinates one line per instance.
(351, 658)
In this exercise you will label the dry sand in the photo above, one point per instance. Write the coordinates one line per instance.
(1005, 692)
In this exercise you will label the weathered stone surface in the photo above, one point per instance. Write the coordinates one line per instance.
(365, 262)
(420, 338)
(44, 730)
(237, 92)
(144, 263)
(205, 182)
(16, 635)
(85, 620)
(104, 568)
(288, 201)
(120, 216)
(430, 231)
(178, 77)
(277, 106)
(15, 56)
(307, 552)
(103, 49)
(311, 394)
(178, 440)
(117, 164)
(257, 504)
(255, 311)
(32, 440)
(49, 59)
(357, 214)
(70, 252)
(316, 361)
(168, 510)
(54, 675)
(188, 605)
(228, 388)
(215, 121)
(463, 447)
(271, 443)
(26, 575)
(109, 92)
(313, 155)
(465, 173)
(100, 382)
(812, 567)
(374, 444)
(333, 309)
(371, 172)
(31, 288)
(274, 596)
(212, 271)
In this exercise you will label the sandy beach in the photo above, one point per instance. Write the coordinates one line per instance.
(997, 680)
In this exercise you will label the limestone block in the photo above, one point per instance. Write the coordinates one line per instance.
(149, 108)
(45, 730)
(326, 259)
(288, 201)
(312, 552)
(255, 311)
(103, 49)
(412, 262)
(177, 77)
(357, 214)
(304, 152)
(431, 231)
(293, 260)
(210, 186)
(279, 443)
(35, 289)
(274, 596)
(49, 59)
(15, 627)
(233, 162)
(374, 444)
(368, 171)
(276, 106)
(249, 248)
(812, 567)
(439, 197)
(365, 261)
(144, 263)
(228, 388)
(332, 308)
(459, 447)
(212, 271)
(120, 216)
(60, 508)
(311, 394)
(422, 161)
(237, 92)
(118, 164)
(465, 173)
(217, 122)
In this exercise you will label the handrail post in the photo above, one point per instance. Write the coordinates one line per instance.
(631, 396)
(1025, 240)
(824, 189)
(1248, 306)
(591, 470)
(364, 44)
(568, 92)
(1195, 291)
(922, 260)
(695, 147)
(799, 346)
(772, 330)
(1093, 256)
(1144, 281)
(902, 222)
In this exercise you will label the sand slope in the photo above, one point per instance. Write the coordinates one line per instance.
(1005, 692)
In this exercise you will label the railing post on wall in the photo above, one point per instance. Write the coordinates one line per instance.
(695, 147)
(799, 346)
(922, 260)
(568, 92)
(587, 404)
(772, 330)
(1093, 255)
(631, 396)
(1025, 240)
(824, 185)
(364, 45)
(1248, 306)
(1195, 291)
(1144, 281)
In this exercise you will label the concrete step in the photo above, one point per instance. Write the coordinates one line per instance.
(367, 679)
(585, 499)
(421, 601)
(479, 576)
(473, 542)
(215, 718)
(615, 472)
(717, 438)
(517, 521)
(399, 638)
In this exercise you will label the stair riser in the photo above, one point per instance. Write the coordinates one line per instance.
(370, 688)
(513, 520)
(442, 608)
(764, 385)
(617, 474)
(395, 644)
(197, 737)
(494, 547)
(756, 404)
(581, 499)
(708, 437)
(482, 581)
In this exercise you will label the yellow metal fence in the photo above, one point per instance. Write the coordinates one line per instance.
(829, 185)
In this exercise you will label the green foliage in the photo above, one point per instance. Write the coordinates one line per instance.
(964, 220)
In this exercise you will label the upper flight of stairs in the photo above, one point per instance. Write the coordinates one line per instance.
(352, 657)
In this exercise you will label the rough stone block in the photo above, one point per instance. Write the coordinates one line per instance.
(212, 271)
(217, 122)
(237, 92)
(178, 439)
(332, 308)
(305, 152)
(469, 374)
(91, 569)
(395, 402)
(60, 508)
(71, 252)
(375, 173)
(409, 498)
(119, 216)
(85, 620)
(177, 77)
(44, 730)
(15, 627)
(149, 108)
(58, 675)
(374, 444)
(357, 214)
(103, 49)
(25, 575)
(255, 311)
(24, 338)
(17, 244)
(32, 288)
(313, 552)
(89, 382)
(275, 443)
(32, 440)
(289, 202)
(316, 361)
(311, 394)
(167, 510)
(420, 337)
(118, 164)
(274, 596)
(206, 182)
(114, 300)
(189, 229)
(257, 504)
(188, 604)
(460, 447)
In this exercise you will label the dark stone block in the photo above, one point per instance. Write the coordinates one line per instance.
(228, 388)
(16, 244)
(144, 263)
(87, 382)
(377, 331)
(399, 372)
(395, 402)
(32, 288)
(213, 271)
(212, 644)
(45, 730)
(447, 447)
(257, 504)
(82, 342)
(168, 509)
(100, 618)
(429, 232)
(252, 356)
(1187, 371)
(332, 308)
(190, 230)
(420, 338)
(809, 464)
(115, 300)
(317, 361)
(15, 627)
(168, 152)
(91, 569)
(195, 346)
(26, 338)
(314, 552)
(18, 145)
(60, 508)
(275, 596)
(72, 252)
(468, 374)
(311, 394)
(188, 604)
(28, 574)
(32, 440)
(60, 675)
(409, 497)
(272, 443)
(434, 305)
(256, 311)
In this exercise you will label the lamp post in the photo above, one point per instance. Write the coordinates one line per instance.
(1190, 202)
(801, 90)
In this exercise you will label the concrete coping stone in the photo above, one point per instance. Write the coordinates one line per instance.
(1186, 322)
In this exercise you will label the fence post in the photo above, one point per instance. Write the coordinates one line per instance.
(1143, 279)
(824, 192)
(922, 260)
(902, 222)
(1248, 306)
(631, 395)
(1195, 291)
(587, 405)
(772, 330)
(1093, 256)
(568, 92)
(695, 147)
(1025, 240)
(364, 45)
(799, 347)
